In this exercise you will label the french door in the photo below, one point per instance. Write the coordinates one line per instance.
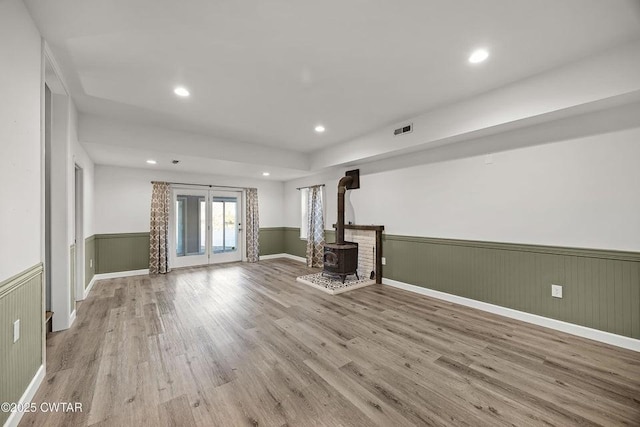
(205, 227)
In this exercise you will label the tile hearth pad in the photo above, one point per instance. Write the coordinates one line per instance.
(334, 286)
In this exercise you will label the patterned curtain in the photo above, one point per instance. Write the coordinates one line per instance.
(315, 228)
(159, 229)
(252, 226)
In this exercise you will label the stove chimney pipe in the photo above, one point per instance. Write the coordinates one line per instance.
(349, 182)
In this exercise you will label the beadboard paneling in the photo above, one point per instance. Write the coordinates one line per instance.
(121, 252)
(271, 240)
(601, 289)
(292, 243)
(20, 298)
(130, 251)
(330, 236)
(89, 255)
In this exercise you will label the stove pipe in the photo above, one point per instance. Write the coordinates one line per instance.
(342, 188)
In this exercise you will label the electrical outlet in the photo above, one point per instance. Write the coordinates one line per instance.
(556, 291)
(384, 261)
(16, 331)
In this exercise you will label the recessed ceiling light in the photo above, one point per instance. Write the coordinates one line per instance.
(265, 174)
(319, 128)
(151, 162)
(478, 56)
(181, 91)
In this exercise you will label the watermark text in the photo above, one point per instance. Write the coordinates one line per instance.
(41, 407)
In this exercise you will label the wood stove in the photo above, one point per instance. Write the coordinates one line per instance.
(341, 258)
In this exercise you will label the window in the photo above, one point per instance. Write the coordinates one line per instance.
(304, 211)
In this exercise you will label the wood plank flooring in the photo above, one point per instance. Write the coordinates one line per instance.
(245, 344)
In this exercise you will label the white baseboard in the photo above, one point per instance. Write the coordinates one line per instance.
(72, 318)
(283, 255)
(559, 325)
(117, 274)
(89, 286)
(27, 396)
(273, 256)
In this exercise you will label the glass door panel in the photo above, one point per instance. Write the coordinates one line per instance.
(190, 231)
(224, 223)
(230, 226)
(225, 226)
(217, 225)
(180, 226)
(202, 219)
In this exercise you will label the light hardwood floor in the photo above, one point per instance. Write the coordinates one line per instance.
(245, 344)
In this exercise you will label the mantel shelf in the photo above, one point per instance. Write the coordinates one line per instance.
(361, 227)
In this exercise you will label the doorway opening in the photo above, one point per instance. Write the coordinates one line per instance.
(59, 250)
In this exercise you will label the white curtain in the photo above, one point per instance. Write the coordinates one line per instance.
(315, 228)
(159, 229)
(252, 225)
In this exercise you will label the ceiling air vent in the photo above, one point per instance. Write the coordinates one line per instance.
(404, 129)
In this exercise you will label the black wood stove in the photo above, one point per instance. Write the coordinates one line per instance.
(341, 258)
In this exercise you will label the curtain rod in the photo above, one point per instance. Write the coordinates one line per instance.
(201, 185)
(309, 186)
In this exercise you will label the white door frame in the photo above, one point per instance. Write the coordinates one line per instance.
(208, 257)
(79, 230)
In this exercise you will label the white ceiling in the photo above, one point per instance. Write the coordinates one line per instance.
(265, 73)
